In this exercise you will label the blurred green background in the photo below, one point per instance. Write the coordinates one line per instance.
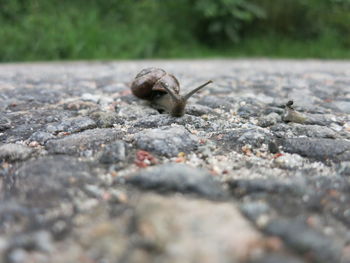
(130, 29)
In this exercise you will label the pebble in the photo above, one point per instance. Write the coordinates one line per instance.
(17, 256)
(14, 152)
(135, 111)
(305, 240)
(91, 97)
(71, 125)
(5, 123)
(113, 153)
(241, 187)
(79, 105)
(154, 121)
(167, 141)
(41, 137)
(106, 119)
(198, 110)
(179, 178)
(159, 120)
(39, 240)
(289, 161)
(89, 140)
(317, 148)
(249, 110)
(344, 168)
(301, 130)
(343, 106)
(314, 131)
(159, 219)
(254, 209)
(215, 102)
(235, 139)
(19, 132)
(269, 120)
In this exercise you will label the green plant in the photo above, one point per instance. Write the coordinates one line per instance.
(124, 29)
(223, 20)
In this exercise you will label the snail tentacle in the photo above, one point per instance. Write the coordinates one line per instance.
(188, 95)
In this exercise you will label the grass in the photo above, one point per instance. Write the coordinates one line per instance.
(325, 47)
(82, 34)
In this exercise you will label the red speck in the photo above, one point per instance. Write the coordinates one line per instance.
(327, 100)
(180, 160)
(114, 173)
(213, 172)
(63, 133)
(144, 159)
(106, 196)
(277, 155)
(219, 137)
(333, 193)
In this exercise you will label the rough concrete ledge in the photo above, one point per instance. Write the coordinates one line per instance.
(89, 173)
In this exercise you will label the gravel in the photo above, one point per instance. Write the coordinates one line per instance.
(89, 172)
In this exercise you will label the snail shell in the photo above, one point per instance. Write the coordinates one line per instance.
(149, 83)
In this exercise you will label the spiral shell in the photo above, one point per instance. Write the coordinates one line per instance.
(148, 83)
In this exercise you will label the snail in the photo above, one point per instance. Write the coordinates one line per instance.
(162, 90)
(291, 115)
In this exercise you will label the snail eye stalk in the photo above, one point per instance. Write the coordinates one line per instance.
(174, 96)
(188, 95)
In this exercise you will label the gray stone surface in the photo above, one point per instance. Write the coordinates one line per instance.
(14, 152)
(90, 173)
(113, 153)
(71, 125)
(299, 130)
(106, 119)
(170, 224)
(305, 240)
(84, 142)
(154, 121)
(320, 149)
(237, 138)
(177, 178)
(168, 141)
(41, 137)
(344, 168)
(5, 123)
(215, 102)
(269, 120)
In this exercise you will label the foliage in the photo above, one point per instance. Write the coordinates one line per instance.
(223, 20)
(124, 29)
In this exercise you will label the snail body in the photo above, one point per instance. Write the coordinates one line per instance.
(162, 90)
(291, 115)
